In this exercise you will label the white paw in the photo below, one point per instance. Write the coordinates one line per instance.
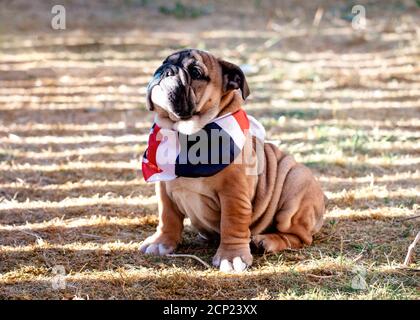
(237, 265)
(158, 249)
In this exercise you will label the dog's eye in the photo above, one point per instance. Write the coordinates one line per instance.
(195, 73)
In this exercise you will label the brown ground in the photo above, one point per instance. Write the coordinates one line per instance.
(73, 124)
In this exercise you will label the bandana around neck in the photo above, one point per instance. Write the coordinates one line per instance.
(171, 154)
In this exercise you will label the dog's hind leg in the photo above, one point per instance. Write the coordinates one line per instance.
(299, 212)
(294, 228)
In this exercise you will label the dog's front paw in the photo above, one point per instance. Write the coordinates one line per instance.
(235, 259)
(158, 245)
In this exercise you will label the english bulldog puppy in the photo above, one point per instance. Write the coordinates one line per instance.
(279, 205)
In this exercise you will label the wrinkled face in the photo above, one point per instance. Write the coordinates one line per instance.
(191, 83)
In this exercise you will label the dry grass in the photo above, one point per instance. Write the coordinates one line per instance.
(73, 124)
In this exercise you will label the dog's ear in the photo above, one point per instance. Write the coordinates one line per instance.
(233, 78)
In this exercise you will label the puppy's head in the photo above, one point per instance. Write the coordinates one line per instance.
(186, 90)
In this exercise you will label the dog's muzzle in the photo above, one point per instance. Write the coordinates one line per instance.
(174, 92)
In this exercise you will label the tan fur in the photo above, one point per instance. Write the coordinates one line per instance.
(281, 208)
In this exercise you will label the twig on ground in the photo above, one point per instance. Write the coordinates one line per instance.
(409, 218)
(321, 277)
(33, 234)
(411, 250)
(189, 256)
(408, 269)
(328, 236)
(360, 256)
